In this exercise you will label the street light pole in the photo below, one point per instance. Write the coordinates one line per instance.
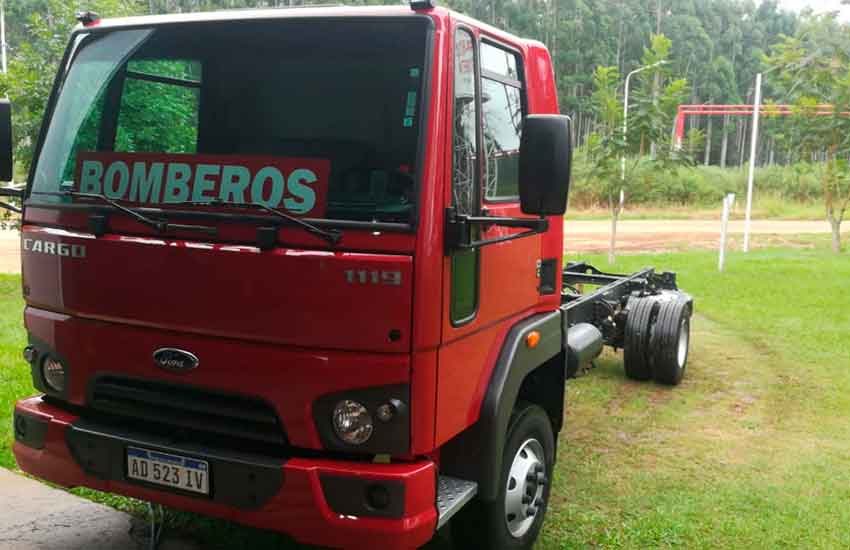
(626, 111)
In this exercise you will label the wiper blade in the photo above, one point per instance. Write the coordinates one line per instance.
(160, 226)
(332, 236)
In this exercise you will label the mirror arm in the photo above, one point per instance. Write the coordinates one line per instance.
(458, 234)
(11, 207)
(14, 193)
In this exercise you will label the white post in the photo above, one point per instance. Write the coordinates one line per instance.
(728, 201)
(753, 151)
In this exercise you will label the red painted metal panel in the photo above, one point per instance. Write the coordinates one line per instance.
(289, 379)
(508, 280)
(298, 297)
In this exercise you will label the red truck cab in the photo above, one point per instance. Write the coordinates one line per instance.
(280, 268)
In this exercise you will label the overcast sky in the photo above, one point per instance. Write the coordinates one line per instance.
(818, 5)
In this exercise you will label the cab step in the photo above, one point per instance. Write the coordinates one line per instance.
(452, 495)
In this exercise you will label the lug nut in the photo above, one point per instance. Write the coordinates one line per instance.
(531, 511)
(538, 502)
(526, 499)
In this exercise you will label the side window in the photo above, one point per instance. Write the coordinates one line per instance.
(465, 155)
(502, 103)
(465, 196)
(159, 107)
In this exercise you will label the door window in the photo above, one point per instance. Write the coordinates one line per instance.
(502, 105)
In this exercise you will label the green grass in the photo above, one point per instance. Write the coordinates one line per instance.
(751, 451)
(14, 372)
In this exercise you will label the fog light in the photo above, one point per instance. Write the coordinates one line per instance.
(53, 373)
(377, 497)
(352, 422)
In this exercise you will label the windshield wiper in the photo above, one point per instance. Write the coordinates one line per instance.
(160, 226)
(332, 236)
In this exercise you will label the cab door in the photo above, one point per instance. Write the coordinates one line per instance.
(488, 288)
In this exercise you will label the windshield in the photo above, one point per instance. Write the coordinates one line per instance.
(318, 118)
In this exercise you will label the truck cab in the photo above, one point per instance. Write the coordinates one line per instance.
(301, 269)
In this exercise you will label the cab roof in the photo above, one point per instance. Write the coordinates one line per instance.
(299, 12)
(254, 14)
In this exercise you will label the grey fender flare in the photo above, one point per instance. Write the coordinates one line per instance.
(516, 360)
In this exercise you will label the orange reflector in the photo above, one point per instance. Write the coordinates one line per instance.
(532, 339)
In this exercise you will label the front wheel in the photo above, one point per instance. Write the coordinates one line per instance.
(514, 519)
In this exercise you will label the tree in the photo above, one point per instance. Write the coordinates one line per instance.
(607, 146)
(814, 75)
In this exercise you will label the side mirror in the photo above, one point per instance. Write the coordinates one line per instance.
(6, 166)
(545, 161)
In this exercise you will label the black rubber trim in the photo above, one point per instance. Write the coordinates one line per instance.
(242, 480)
(549, 283)
(30, 430)
(515, 362)
(391, 437)
(348, 496)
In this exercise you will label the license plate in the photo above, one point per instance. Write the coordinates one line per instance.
(178, 472)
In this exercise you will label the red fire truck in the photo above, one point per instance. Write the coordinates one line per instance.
(302, 269)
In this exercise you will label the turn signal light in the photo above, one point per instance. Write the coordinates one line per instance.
(532, 339)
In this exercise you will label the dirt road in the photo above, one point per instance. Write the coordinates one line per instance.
(655, 235)
(590, 236)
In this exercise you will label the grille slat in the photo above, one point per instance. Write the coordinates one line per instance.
(188, 407)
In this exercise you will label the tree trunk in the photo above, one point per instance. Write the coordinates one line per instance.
(612, 248)
(707, 158)
(835, 225)
(724, 148)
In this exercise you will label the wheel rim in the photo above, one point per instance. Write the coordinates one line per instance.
(524, 494)
(684, 335)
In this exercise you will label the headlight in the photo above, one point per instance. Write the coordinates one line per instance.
(352, 422)
(53, 373)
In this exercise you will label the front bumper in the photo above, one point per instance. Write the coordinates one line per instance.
(310, 499)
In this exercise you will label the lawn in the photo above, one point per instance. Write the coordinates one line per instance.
(751, 451)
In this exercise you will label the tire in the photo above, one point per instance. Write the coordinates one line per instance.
(486, 525)
(642, 312)
(670, 342)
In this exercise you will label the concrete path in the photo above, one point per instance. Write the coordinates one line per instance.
(10, 251)
(34, 516)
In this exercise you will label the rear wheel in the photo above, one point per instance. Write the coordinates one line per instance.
(670, 342)
(642, 312)
(514, 519)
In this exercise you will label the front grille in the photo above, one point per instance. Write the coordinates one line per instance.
(187, 408)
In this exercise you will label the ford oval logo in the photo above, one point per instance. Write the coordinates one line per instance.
(175, 360)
